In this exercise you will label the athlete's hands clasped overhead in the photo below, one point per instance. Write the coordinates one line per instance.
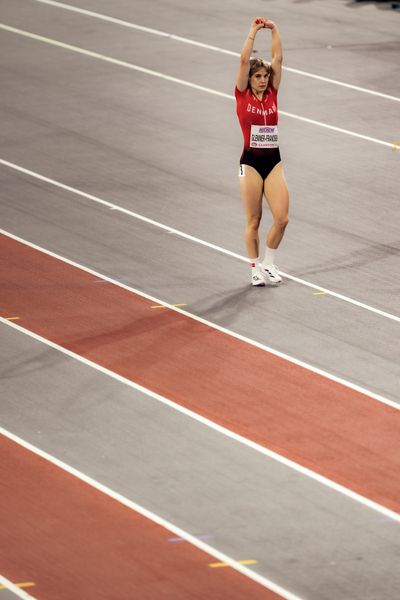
(258, 23)
(261, 23)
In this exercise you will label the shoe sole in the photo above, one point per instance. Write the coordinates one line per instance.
(274, 282)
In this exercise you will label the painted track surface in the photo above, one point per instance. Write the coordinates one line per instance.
(80, 544)
(209, 372)
(89, 124)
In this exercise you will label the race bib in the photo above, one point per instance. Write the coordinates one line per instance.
(264, 136)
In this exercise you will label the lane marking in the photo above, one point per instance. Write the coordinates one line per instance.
(128, 65)
(208, 423)
(395, 145)
(19, 585)
(194, 239)
(319, 293)
(181, 311)
(12, 318)
(205, 536)
(185, 40)
(210, 550)
(162, 305)
(15, 589)
(222, 564)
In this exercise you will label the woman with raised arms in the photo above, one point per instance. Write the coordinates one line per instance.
(261, 170)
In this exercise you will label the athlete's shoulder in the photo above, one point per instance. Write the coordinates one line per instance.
(239, 93)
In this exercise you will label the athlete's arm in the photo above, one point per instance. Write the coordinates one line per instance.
(276, 52)
(244, 67)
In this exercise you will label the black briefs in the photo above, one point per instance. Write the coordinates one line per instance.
(263, 162)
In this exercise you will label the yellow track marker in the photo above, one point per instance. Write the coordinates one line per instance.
(162, 306)
(11, 318)
(319, 293)
(395, 145)
(242, 562)
(20, 585)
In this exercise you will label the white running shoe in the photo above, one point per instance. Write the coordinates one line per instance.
(257, 278)
(271, 274)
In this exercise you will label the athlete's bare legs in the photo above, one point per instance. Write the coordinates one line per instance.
(251, 189)
(275, 189)
(277, 195)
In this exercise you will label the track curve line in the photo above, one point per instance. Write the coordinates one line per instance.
(194, 239)
(184, 40)
(201, 88)
(332, 433)
(101, 544)
(9, 585)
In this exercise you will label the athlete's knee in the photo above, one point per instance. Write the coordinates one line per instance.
(253, 222)
(282, 222)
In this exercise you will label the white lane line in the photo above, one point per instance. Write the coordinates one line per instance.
(218, 428)
(177, 531)
(201, 88)
(192, 238)
(194, 317)
(184, 40)
(11, 586)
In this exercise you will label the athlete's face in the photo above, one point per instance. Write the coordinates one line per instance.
(259, 80)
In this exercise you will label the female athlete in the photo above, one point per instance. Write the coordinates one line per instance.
(261, 170)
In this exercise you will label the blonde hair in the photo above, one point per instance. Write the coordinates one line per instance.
(258, 63)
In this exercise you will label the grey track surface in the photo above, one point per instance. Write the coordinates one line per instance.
(8, 595)
(170, 153)
(304, 536)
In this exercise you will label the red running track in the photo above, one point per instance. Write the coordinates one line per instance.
(76, 543)
(325, 426)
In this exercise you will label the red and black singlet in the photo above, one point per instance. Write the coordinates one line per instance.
(259, 122)
(252, 111)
